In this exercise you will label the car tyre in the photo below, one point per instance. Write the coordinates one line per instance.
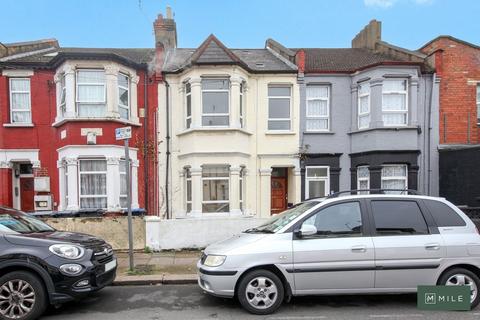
(25, 294)
(460, 276)
(260, 292)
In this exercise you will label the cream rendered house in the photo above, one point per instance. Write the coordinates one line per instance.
(228, 122)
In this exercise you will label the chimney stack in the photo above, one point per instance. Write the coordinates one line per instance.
(369, 36)
(165, 31)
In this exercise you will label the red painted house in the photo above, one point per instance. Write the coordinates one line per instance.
(458, 67)
(59, 108)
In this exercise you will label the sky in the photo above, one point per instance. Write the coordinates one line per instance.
(237, 23)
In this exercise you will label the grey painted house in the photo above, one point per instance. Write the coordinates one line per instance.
(369, 117)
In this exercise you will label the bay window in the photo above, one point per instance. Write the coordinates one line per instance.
(63, 93)
(363, 178)
(122, 167)
(188, 190)
(395, 176)
(91, 93)
(279, 100)
(318, 105)
(394, 102)
(93, 183)
(188, 105)
(215, 182)
(317, 182)
(242, 189)
(215, 102)
(123, 96)
(20, 102)
(242, 111)
(363, 105)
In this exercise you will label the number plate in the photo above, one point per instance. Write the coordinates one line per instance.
(109, 266)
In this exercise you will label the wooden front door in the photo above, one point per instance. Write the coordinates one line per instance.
(279, 194)
(26, 194)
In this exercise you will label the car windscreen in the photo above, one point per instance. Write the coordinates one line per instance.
(277, 222)
(22, 223)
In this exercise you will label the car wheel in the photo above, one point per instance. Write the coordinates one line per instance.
(260, 292)
(22, 296)
(463, 277)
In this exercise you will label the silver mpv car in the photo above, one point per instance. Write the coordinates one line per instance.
(350, 244)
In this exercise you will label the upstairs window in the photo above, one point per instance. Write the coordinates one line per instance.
(394, 103)
(215, 106)
(123, 96)
(63, 93)
(394, 176)
(318, 105)
(20, 107)
(242, 111)
(363, 105)
(91, 93)
(188, 105)
(478, 103)
(279, 98)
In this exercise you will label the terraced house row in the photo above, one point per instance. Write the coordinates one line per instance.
(225, 137)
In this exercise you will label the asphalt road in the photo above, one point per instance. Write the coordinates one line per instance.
(188, 302)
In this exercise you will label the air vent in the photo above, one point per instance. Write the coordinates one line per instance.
(260, 65)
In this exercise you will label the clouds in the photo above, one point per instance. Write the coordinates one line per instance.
(390, 3)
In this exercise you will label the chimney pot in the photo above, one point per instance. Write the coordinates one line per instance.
(169, 12)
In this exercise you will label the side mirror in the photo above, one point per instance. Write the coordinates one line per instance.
(306, 230)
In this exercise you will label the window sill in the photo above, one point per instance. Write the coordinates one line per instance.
(213, 129)
(79, 119)
(280, 132)
(18, 125)
(402, 128)
(318, 132)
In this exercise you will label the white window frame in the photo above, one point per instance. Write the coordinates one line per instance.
(227, 178)
(63, 94)
(216, 114)
(80, 172)
(404, 178)
(403, 92)
(478, 103)
(242, 105)
(316, 117)
(241, 195)
(12, 110)
(188, 179)
(188, 94)
(104, 85)
(308, 179)
(127, 88)
(367, 113)
(272, 85)
(122, 173)
(361, 179)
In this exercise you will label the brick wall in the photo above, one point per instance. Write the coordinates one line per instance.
(458, 65)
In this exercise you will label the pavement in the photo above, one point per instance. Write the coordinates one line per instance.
(166, 267)
(179, 302)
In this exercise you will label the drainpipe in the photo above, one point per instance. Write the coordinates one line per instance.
(429, 142)
(167, 138)
(145, 139)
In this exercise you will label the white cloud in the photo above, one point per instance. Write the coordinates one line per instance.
(379, 3)
(390, 3)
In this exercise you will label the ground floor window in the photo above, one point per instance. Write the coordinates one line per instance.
(122, 167)
(242, 189)
(188, 189)
(395, 176)
(363, 178)
(93, 183)
(317, 182)
(215, 182)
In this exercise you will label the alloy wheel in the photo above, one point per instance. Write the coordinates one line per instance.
(17, 298)
(464, 280)
(261, 292)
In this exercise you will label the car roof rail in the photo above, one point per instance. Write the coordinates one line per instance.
(373, 191)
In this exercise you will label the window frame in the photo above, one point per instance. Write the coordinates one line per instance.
(63, 94)
(80, 172)
(272, 85)
(216, 114)
(397, 92)
(242, 189)
(77, 101)
(316, 117)
(359, 179)
(241, 105)
(326, 179)
(394, 177)
(11, 92)
(188, 93)
(120, 195)
(359, 98)
(127, 88)
(227, 178)
(188, 180)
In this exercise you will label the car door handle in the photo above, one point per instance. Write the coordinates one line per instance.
(359, 249)
(432, 246)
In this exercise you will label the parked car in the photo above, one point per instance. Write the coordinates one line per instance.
(40, 265)
(353, 244)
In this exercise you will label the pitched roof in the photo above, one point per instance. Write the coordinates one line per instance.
(213, 52)
(450, 38)
(346, 60)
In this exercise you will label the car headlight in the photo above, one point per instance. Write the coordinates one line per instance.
(67, 251)
(214, 260)
(71, 269)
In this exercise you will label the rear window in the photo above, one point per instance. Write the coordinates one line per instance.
(398, 218)
(443, 215)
